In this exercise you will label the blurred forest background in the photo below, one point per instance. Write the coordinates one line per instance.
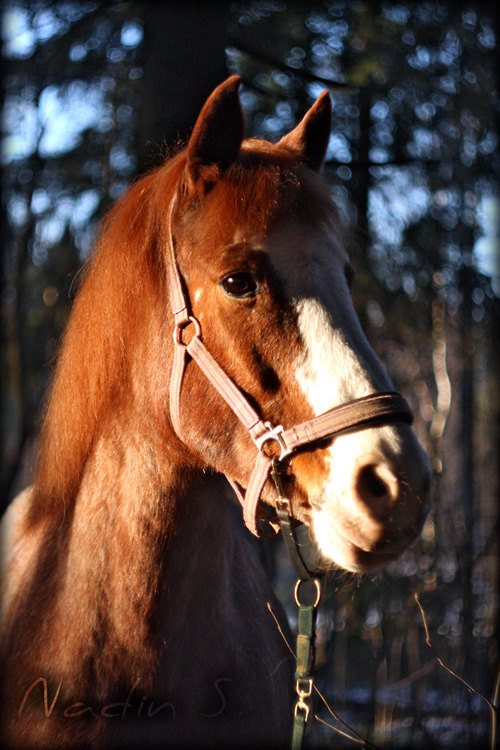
(95, 92)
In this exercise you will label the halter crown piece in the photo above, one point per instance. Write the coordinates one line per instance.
(357, 414)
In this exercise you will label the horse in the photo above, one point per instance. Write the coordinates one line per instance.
(214, 316)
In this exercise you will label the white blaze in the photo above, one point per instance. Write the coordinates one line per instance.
(335, 366)
(330, 373)
(338, 366)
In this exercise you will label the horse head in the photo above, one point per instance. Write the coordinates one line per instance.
(258, 243)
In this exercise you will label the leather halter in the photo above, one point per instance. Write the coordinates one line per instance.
(356, 414)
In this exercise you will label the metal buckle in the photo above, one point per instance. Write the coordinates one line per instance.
(303, 692)
(283, 504)
(273, 433)
(300, 705)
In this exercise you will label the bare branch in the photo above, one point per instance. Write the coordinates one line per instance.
(357, 737)
(443, 383)
(491, 706)
(361, 741)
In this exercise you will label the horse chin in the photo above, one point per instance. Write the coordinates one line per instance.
(356, 560)
(337, 549)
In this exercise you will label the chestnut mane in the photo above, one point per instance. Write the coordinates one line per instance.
(118, 291)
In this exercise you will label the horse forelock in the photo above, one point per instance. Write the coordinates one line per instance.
(268, 178)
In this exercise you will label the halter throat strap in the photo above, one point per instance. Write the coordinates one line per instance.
(354, 415)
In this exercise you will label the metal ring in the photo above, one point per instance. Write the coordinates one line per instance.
(318, 592)
(273, 433)
(185, 323)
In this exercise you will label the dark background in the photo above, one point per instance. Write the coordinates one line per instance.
(96, 92)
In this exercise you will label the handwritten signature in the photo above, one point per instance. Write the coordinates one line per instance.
(145, 708)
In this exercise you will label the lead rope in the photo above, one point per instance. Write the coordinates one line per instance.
(307, 596)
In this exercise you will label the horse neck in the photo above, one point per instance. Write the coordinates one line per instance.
(148, 525)
(128, 502)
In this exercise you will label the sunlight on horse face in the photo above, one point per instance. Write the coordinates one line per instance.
(290, 338)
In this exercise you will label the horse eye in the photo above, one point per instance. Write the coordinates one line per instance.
(239, 285)
(349, 274)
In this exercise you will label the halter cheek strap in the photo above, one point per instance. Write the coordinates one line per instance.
(357, 414)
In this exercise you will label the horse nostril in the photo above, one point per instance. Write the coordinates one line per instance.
(370, 484)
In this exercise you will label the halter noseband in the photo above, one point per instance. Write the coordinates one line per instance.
(359, 413)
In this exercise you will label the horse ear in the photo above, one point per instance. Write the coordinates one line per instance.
(310, 137)
(217, 135)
